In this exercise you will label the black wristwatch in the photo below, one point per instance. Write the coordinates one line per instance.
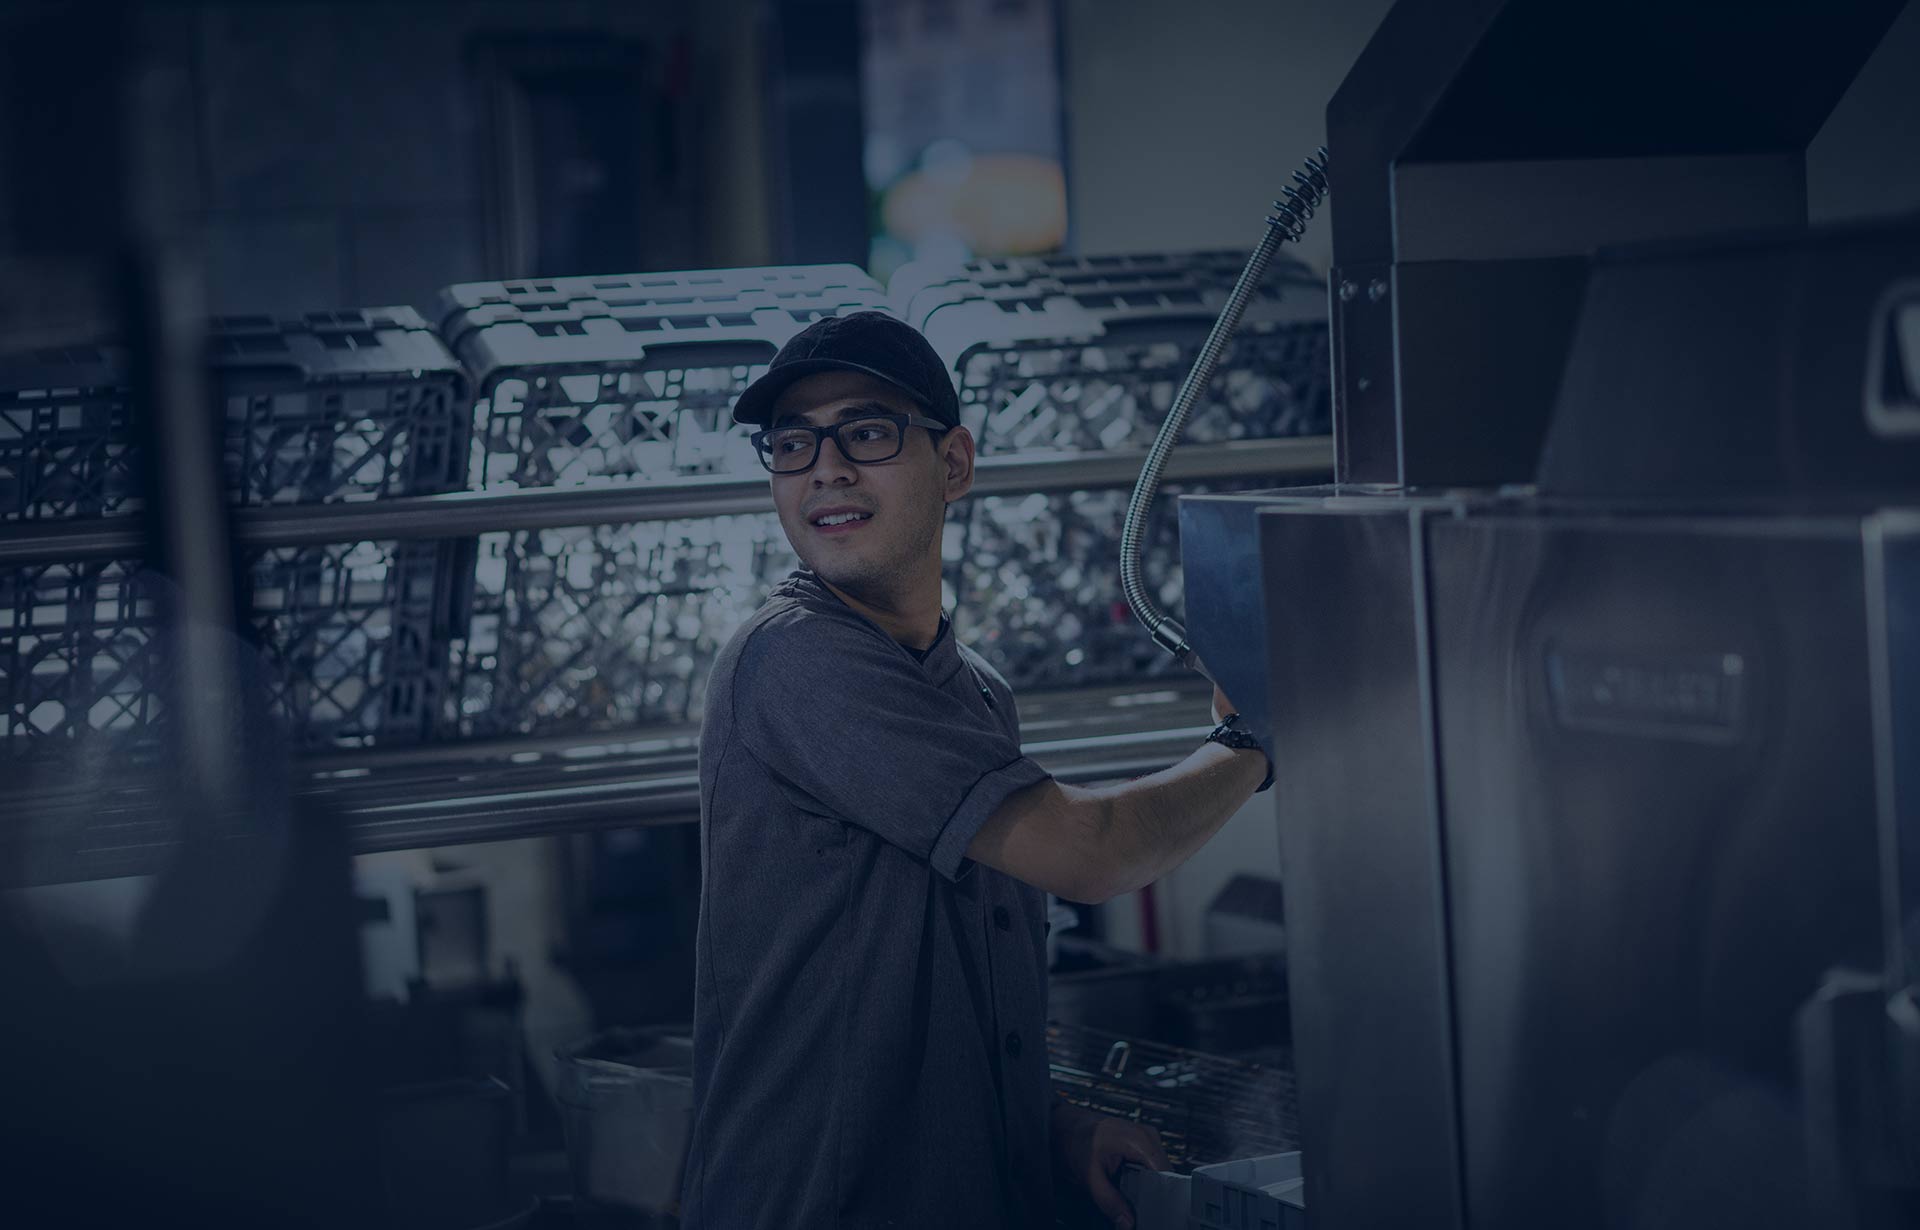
(1229, 733)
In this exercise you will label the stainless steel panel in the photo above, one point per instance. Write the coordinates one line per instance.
(1477, 348)
(1893, 596)
(1360, 858)
(1366, 400)
(1220, 566)
(1657, 775)
(1507, 210)
(1445, 371)
(1740, 370)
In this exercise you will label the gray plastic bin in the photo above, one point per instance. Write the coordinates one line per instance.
(626, 1099)
(1252, 1193)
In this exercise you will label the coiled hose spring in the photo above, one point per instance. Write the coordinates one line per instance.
(1287, 222)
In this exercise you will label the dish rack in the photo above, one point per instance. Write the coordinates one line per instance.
(1206, 1108)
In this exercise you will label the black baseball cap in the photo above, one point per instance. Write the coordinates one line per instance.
(880, 345)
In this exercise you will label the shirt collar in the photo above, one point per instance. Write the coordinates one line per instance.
(943, 656)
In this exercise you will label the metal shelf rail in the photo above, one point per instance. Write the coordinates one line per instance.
(467, 513)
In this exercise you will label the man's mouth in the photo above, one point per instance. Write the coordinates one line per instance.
(839, 519)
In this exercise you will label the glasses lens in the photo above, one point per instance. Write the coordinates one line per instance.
(870, 439)
(788, 450)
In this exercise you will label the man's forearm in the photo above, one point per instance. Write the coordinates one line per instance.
(1156, 823)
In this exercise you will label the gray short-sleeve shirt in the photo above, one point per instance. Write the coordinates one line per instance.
(869, 1019)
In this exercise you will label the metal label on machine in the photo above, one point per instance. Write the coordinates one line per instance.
(1697, 697)
(1893, 362)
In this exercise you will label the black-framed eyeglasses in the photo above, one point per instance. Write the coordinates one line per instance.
(867, 439)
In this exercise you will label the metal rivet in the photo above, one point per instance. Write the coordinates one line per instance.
(1348, 290)
(1377, 290)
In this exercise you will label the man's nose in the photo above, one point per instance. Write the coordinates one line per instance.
(832, 464)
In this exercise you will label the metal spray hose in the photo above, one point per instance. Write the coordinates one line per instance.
(1288, 221)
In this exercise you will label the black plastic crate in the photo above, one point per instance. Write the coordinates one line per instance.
(357, 638)
(353, 638)
(352, 643)
(590, 380)
(332, 406)
(608, 627)
(64, 444)
(339, 406)
(78, 655)
(1088, 353)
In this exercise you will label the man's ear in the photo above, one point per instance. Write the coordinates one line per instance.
(956, 459)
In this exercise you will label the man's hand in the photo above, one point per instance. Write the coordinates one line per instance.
(1091, 1148)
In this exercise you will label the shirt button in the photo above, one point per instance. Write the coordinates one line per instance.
(1013, 1044)
(1001, 918)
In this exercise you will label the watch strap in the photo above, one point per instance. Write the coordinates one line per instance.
(1228, 734)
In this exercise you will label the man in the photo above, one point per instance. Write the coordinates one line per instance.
(870, 986)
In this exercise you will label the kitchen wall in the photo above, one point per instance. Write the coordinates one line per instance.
(340, 156)
(1184, 121)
